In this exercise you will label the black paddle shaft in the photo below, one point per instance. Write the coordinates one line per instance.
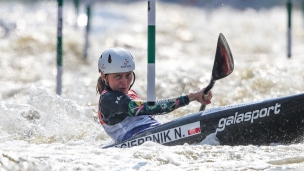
(209, 87)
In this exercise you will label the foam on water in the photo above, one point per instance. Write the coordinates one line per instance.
(48, 118)
(40, 130)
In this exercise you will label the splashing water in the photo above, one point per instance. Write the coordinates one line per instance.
(40, 130)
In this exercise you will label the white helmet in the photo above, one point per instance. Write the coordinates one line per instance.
(116, 60)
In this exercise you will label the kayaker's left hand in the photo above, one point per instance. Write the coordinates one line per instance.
(200, 97)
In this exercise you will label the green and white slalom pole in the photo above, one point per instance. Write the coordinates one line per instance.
(151, 53)
(289, 9)
(59, 48)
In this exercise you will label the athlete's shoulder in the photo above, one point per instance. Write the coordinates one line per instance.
(133, 95)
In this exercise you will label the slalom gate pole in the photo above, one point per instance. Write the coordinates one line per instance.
(302, 7)
(289, 9)
(151, 53)
(59, 48)
(86, 46)
(76, 5)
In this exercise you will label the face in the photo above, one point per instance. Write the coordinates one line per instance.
(119, 81)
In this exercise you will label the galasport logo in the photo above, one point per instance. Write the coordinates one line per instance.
(166, 136)
(248, 116)
(126, 64)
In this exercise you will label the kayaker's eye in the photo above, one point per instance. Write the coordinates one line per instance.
(128, 76)
(118, 76)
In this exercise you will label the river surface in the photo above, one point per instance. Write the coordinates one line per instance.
(40, 130)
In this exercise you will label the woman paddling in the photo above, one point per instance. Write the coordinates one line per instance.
(122, 113)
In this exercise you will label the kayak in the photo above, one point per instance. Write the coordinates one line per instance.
(277, 120)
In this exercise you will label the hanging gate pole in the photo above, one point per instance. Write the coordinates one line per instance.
(151, 53)
(289, 9)
(76, 5)
(59, 48)
(86, 46)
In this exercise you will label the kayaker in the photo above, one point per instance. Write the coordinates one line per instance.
(122, 113)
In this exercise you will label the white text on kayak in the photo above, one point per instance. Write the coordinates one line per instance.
(248, 116)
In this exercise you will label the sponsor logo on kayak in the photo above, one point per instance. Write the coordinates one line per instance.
(248, 116)
(165, 136)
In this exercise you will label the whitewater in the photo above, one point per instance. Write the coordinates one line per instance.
(40, 130)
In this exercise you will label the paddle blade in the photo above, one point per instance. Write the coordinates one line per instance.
(223, 64)
(223, 61)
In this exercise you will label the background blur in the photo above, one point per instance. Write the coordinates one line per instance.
(40, 130)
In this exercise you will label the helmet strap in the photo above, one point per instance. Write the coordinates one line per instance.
(133, 80)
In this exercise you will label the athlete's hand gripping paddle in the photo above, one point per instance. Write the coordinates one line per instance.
(223, 64)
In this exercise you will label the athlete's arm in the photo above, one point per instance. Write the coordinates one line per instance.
(141, 107)
(115, 106)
